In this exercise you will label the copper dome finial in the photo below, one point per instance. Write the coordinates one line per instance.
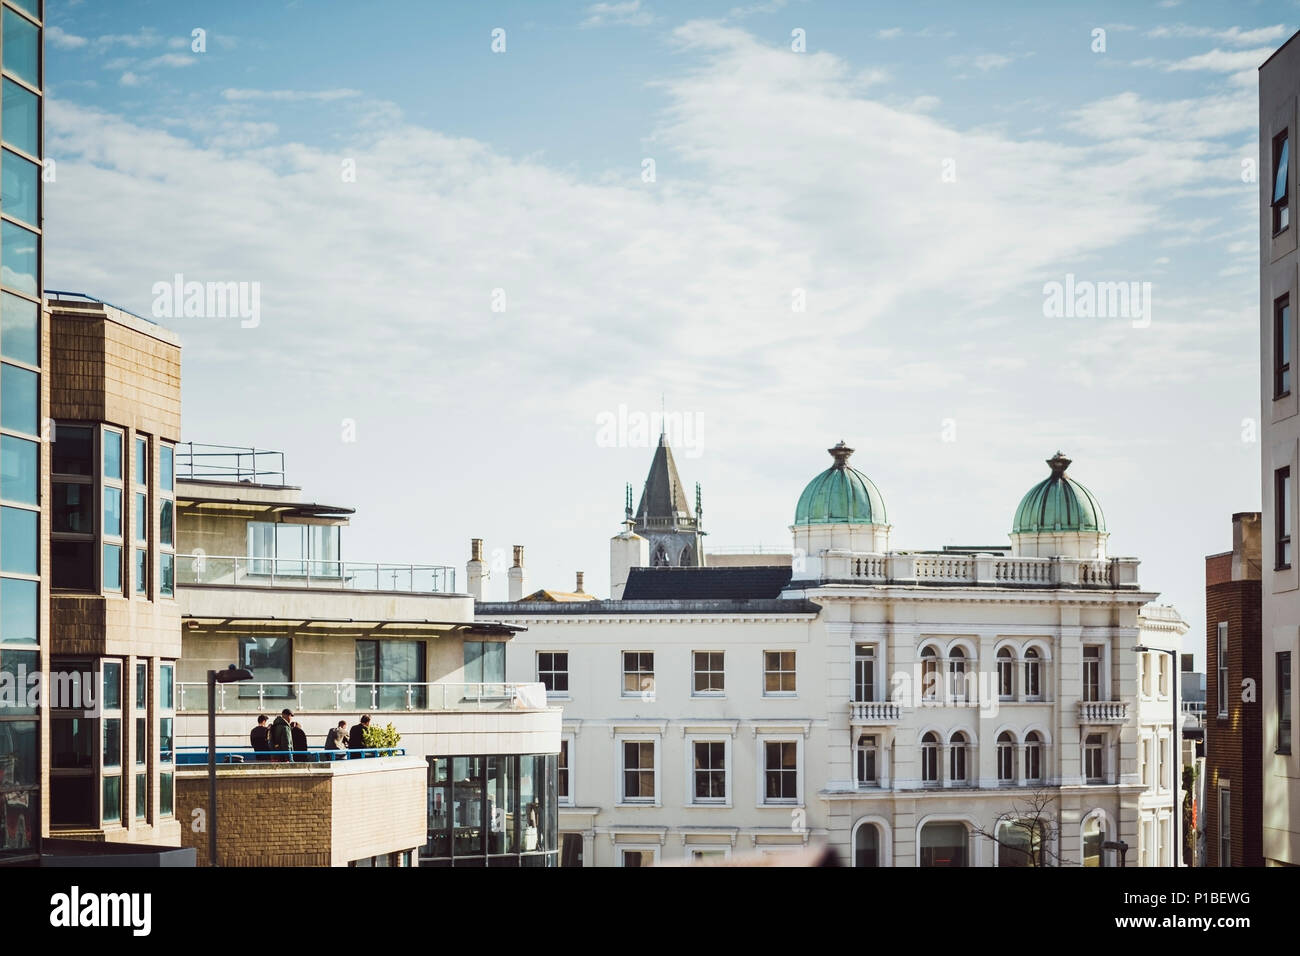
(840, 453)
(1058, 463)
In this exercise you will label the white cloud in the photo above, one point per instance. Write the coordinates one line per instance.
(143, 38)
(290, 96)
(178, 60)
(1233, 35)
(981, 61)
(625, 13)
(63, 39)
(130, 79)
(1222, 61)
(890, 33)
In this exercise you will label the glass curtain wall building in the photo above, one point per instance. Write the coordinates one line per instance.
(23, 651)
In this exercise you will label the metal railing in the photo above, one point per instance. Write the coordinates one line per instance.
(200, 462)
(310, 573)
(251, 697)
(189, 756)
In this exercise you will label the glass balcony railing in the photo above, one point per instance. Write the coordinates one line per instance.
(300, 572)
(250, 697)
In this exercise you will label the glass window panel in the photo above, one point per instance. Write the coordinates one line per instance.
(165, 794)
(142, 517)
(943, 844)
(367, 662)
(1279, 176)
(19, 179)
(165, 687)
(22, 48)
(271, 661)
(494, 662)
(74, 450)
(112, 742)
(19, 319)
(112, 567)
(20, 118)
(72, 742)
(18, 259)
(19, 764)
(165, 511)
(467, 806)
(20, 677)
(165, 739)
(324, 550)
(113, 512)
(112, 799)
(19, 469)
(166, 569)
(18, 540)
(290, 549)
(20, 396)
(141, 796)
(112, 693)
(502, 808)
(141, 474)
(18, 602)
(141, 571)
(73, 565)
(141, 741)
(166, 469)
(112, 454)
(31, 6)
(72, 800)
(141, 686)
(74, 508)
(473, 662)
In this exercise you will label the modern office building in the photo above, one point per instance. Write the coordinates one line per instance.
(24, 398)
(262, 583)
(1233, 718)
(1279, 443)
(1008, 705)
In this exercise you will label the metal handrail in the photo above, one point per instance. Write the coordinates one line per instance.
(196, 755)
(203, 568)
(353, 696)
(235, 463)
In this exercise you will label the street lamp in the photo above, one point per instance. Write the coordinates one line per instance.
(1175, 743)
(228, 676)
(1120, 847)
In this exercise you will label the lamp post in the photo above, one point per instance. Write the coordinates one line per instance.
(1175, 742)
(1120, 847)
(228, 676)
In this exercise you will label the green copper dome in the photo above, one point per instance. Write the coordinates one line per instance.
(1058, 503)
(840, 495)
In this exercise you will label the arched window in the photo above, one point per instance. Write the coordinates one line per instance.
(930, 758)
(868, 760)
(1020, 842)
(1006, 674)
(929, 674)
(945, 844)
(866, 845)
(1033, 674)
(1033, 757)
(661, 556)
(957, 673)
(957, 758)
(1094, 835)
(685, 559)
(1006, 758)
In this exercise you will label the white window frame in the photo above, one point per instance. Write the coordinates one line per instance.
(619, 741)
(1144, 665)
(965, 747)
(857, 759)
(651, 848)
(795, 672)
(872, 654)
(1164, 675)
(1225, 822)
(1222, 667)
(1162, 762)
(692, 848)
(1145, 843)
(537, 670)
(1101, 750)
(1005, 657)
(644, 692)
(571, 739)
(1100, 660)
(1039, 744)
(1009, 747)
(695, 671)
(1036, 662)
(1144, 751)
(760, 762)
(689, 760)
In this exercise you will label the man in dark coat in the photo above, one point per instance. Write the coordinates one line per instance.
(299, 741)
(260, 736)
(357, 737)
(282, 735)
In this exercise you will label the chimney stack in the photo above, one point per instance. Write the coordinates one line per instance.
(474, 568)
(516, 574)
(579, 582)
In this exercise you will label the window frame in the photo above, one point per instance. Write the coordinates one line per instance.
(1282, 335)
(1282, 518)
(1033, 661)
(1006, 759)
(1005, 665)
(1284, 690)
(568, 748)
(1099, 748)
(1092, 674)
(1221, 667)
(638, 675)
(1035, 747)
(720, 673)
(621, 770)
(865, 672)
(861, 752)
(553, 671)
(692, 800)
(1225, 822)
(761, 742)
(1280, 206)
(166, 492)
(781, 673)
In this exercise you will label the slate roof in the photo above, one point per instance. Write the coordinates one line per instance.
(733, 584)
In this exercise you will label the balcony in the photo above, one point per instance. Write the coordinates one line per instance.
(874, 712)
(258, 466)
(320, 697)
(228, 570)
(1103, 711)
(982, 569)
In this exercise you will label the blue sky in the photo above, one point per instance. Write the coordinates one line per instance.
(923, 343)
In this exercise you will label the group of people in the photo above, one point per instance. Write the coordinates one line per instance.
(285, 737)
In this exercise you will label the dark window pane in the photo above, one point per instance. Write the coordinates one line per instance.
(112, 686)
(74, 450)
(165, 739)
(141, 796)
(18, 540)
(166, 569)
(72, 742)
(20, 390)
(20, 118)
(73, 565)
(19, 469)
(165, 511)
(19, 181)
(22, 48)
(271, 661)
(19, 766)
(18, 600)
(72, 801)
(1280, 170)
(112, 742)
(165, 794)
(18, 258)
(18, 328)
(112, 799)
(141, 741)
(74, 508)
(141, 571)
(141, 686)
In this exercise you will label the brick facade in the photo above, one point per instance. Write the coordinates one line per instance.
(1233, 743)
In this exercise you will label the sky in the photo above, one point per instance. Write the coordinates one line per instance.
(483, 235)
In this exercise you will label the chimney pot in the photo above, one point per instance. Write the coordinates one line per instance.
(579, 582)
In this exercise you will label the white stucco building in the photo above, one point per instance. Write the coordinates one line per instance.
(907, 708)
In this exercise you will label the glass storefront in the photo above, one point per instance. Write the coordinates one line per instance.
(497, 810)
